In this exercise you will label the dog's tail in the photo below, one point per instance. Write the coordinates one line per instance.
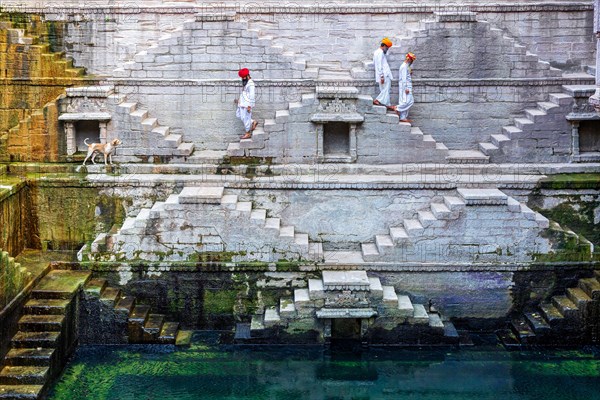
(86, 143)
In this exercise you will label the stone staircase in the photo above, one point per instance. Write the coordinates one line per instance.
(143, 137)
(207, 220)
(572, 318)
(46, 336)
(440, 232)
(349, 294)
(285, 138)
(129, 322)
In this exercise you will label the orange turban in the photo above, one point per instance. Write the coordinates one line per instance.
(387, 42)
(411, 56)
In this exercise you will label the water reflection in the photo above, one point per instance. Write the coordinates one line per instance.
(210, 372)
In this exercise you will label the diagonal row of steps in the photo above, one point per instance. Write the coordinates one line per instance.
(142, 326)
(430, 222)
(156, 139)
(190, 197)
(44, 341)
(519, 140)
(566, 319)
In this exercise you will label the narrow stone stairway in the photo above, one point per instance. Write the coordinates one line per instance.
(571, 318)
(46, 336)
(129, 322)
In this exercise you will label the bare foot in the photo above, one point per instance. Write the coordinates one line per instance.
(248, 135)
(376, 102)
(254, 125)
(406, 120)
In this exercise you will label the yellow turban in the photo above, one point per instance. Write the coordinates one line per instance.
(411, 56)
(387, 42)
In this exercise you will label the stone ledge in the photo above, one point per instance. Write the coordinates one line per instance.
(85, 116)
(483, 196)
(329, 313)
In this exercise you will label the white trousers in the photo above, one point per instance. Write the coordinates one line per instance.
(406, 102)
(246, 117)
(384, 92)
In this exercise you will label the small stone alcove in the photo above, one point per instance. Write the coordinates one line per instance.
(585, 125)
(589, 136)
(79, 126)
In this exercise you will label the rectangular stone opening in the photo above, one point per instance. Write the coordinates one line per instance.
(336, 139)
(589, 137)
(86, 129)
(345, 329)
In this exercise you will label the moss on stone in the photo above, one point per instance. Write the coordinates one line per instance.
(219, 301)
(571, 181)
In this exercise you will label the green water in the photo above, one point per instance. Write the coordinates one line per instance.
(206, 371)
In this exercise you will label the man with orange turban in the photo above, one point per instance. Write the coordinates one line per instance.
(406, 99)
(383, 73)
(246, 102)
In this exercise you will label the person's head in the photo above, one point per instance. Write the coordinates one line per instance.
(385, 44)
(244, 73)
(410, 58)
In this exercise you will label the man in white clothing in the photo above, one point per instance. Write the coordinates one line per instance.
(246, 102)
(406, 99)
(383, 74)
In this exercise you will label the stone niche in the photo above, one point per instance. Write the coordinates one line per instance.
(336, 118)
(84, 114)
(585, 125)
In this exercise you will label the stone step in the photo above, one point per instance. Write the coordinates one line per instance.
(435, 321)
(454, 203)
(162, 130)
(272, 223)
(256, 324)
(413, 227)
(23, 375)
(157, 208)
(301, 239)
(271, 317)
(244, 207)
(301, 298)
(286, 307)
(390, 298)
(537, 322)
(110, 296)
(201, 195)
(41, 323)
(149, 124)
(29, 357)
(184, 338)
(125, 305)
(591, 287)
(467, 157)
(450, 330)
(384, 243)
(139, 314)
(551, 314)
(126, 108)
(375, 288)
(566, 307)
(369, 252)
(487, 148)
(441, 146)
(184, 149)
(561, 99)
(34, 340)
(259, 215)
(152, 327)
(523, 331)
(234, 150)
(60, 284)
(21, 392)
(168, 332)
(499, 139)
(287, 232)
(535, 114)
(524, 124)
(172, 141)
(420, 315)
(229, 201)
(139, 115)
(398, 234)
(316, 290)
(315, 251)
(441, 211)
(427, 219)
(46, 306)
(405, 306)
(512, 132)
(547, 106)
(578, 297)
(482, 196)
(282, 116)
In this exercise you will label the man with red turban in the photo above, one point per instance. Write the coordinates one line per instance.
(383, 73)
(406, 99)
(246, 102)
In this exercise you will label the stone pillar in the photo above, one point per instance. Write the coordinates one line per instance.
(575, 137)
(71, 142)
(103, 125)
(595, 99)
(320, 152)
(353, 148)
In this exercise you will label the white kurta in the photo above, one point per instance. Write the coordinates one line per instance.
(247, 98)
(405, 82)
(382, 70)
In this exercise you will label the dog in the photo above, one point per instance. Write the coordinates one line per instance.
(104, 148)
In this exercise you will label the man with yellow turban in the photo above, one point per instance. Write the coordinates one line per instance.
(383, 73)
(406, 99)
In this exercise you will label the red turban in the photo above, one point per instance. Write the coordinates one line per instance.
(244, 72)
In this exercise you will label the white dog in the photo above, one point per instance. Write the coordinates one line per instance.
(105, 148)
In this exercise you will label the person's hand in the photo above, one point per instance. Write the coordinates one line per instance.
(249, 109)
(382, 80)
(235, 101)
(407, 91)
